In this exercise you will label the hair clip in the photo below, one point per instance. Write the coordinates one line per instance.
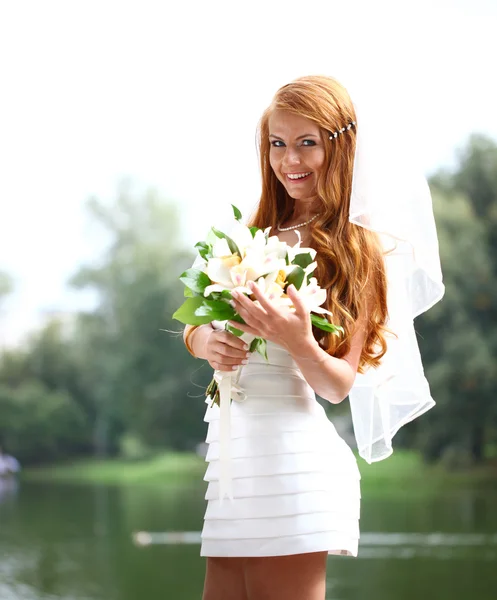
(335, 134)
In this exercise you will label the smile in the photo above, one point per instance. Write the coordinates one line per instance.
(298, 176)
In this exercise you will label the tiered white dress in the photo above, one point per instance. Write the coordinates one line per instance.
(296, 484)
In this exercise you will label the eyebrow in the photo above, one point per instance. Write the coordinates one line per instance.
(306, 135)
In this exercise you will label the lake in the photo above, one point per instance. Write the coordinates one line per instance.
(75, 542)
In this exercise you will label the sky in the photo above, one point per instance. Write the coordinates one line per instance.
(169, 95)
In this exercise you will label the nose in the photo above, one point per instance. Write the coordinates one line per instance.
(291, 157)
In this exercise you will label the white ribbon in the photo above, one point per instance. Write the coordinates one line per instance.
(228, 390)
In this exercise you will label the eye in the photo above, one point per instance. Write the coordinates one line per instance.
(277, 144)
(308, 143)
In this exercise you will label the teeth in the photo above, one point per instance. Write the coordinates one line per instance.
(298, 176)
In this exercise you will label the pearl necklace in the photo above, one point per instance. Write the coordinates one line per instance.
(299, 225)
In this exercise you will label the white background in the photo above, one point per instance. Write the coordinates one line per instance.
(169, 94)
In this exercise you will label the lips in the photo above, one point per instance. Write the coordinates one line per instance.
(297, 177)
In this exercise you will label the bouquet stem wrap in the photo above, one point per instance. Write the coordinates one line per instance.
(228, 390)
(223, 379)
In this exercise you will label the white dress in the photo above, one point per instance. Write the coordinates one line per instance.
(296, 484)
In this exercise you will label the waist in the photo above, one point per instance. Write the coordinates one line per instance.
(270, 380)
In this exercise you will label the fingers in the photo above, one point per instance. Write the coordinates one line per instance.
(222, 367)
(264, 302)
(232, 340)
(229, 360)
(252, 314)
(300, 307)
(226, 363)
(225, 351)
(245, 328)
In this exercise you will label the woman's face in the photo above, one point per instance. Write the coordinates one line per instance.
(296, 153)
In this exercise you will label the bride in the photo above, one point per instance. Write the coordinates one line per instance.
(296, 494)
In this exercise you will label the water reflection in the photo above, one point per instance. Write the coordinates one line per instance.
(60, 542)
(9, 487)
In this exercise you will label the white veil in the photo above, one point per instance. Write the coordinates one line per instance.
(391, 196)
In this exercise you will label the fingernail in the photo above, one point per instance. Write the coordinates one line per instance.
(246, 347)
(244, 362)
(247, 355)
(232, 302)
(234, 367)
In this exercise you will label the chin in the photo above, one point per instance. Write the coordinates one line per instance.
(301, 195)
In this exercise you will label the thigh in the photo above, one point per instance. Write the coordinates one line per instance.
(224, 579)
(294, 577)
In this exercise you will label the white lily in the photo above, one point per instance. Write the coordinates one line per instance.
(273, 290)
(258, 264)
(220, 248)
(274, 245)
(313, 296)
(258, 242)
(297, 249)
(242, 237)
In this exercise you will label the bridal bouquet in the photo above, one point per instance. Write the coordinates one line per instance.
(226, 263)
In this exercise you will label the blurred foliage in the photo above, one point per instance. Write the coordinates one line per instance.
(111, 382)
(458, 337)
(6, 285)
(111, 375)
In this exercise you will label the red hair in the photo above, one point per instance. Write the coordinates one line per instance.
(350, 258)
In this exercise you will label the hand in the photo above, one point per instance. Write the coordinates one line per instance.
(225, 351)
(263, 319)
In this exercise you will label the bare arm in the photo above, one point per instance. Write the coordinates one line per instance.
(330, 377)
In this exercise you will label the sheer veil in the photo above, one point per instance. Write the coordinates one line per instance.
(391, 197)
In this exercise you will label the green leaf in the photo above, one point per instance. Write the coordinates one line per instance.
(186, 312)
(236, 212)
(196, 280)
(238, 319)
(253, 231)
(216, 310)
(234, 331)
(253, 344)
(296, 276)
(211, 388)
(262, 348)
(188, 293)
(302, 260)
(211, 237)
(259, 345)
(204, 249)
(325, 325)
(231, 244)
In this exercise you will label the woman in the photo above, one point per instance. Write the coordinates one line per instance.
(295, 481)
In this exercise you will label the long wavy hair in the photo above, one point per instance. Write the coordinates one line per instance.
(350, 258)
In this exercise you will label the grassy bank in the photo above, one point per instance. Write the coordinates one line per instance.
(403, 471)
(166, 468)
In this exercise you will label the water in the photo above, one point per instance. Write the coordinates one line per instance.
(62, 542)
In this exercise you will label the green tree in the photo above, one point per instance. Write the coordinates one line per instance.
(458, 336)
(142, 374)
(44, 371)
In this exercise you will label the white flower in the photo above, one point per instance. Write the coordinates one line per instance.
(274, 245)
(313, 296)
(220, 248)
(242, 237)
(296, 249)
(272, 290)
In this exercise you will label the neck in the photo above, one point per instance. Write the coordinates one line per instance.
(304, 210)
